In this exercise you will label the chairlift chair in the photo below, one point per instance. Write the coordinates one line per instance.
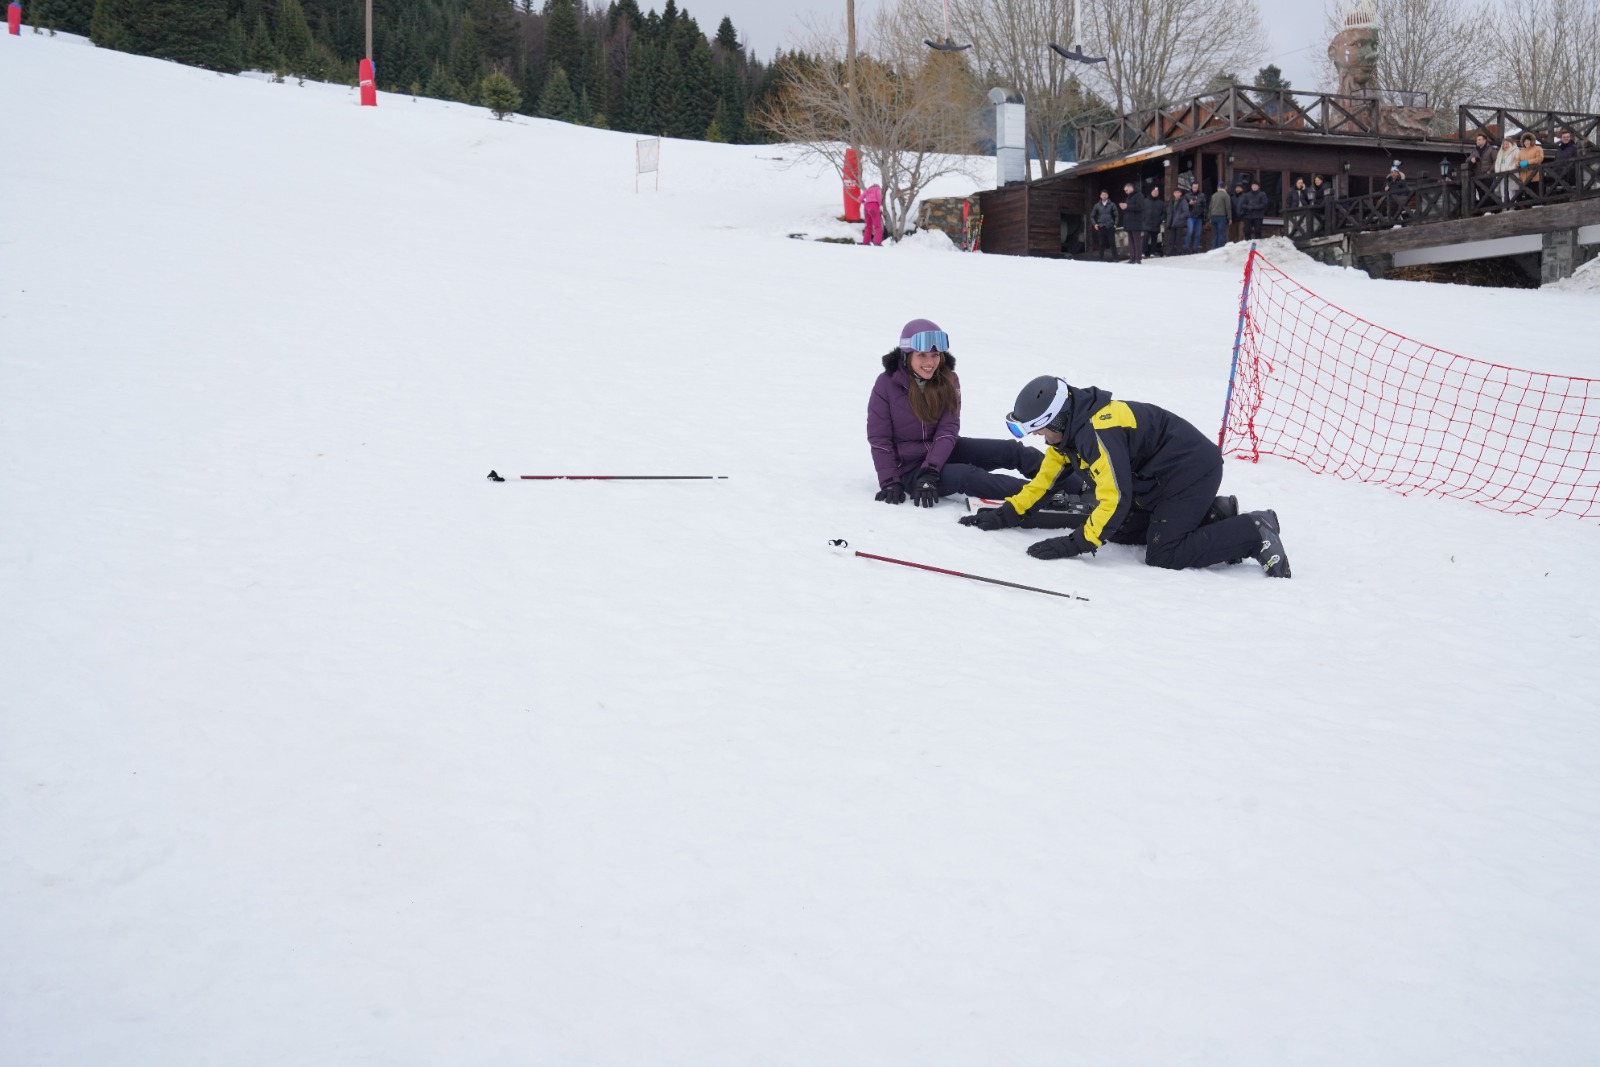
(947, 45)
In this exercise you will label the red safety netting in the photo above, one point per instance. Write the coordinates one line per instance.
(1318, 385)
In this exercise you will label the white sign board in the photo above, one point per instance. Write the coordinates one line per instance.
(648, 151)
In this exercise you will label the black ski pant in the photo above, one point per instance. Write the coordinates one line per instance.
(972, 463)
(1135, 245)
(1171, 528)
(1105, 240)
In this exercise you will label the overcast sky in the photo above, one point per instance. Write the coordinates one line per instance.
(1295, 27)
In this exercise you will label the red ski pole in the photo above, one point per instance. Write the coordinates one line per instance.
(842, 544)
(495, 477)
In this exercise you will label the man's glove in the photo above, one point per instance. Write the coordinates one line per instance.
(893, 493)
(1074, 544)
(925, 488)
(993, 518)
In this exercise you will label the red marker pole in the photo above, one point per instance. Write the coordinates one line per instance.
(369, 85)
(852, 186)
(14, 18)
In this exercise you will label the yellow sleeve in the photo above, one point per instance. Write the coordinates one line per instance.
(1030, 494)
(1111, 506)
(1107, 496)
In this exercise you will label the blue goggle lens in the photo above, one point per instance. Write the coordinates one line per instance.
(926, 341)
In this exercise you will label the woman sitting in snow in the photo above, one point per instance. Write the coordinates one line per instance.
(914, 426)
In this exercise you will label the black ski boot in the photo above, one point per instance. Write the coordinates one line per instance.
(1223, 507)
(1274, 561)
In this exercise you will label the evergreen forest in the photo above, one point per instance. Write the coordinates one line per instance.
(615, 67)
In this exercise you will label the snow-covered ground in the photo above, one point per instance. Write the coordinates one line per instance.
(318, 748)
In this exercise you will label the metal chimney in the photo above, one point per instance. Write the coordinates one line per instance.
(1010, 139)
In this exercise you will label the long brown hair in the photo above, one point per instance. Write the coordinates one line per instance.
(932, 398)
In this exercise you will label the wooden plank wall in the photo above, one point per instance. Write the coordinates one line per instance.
(1005, 220)
(1044, 225)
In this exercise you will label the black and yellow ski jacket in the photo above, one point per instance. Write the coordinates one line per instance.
(1133, 454)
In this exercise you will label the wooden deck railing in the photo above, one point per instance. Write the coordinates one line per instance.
(1498, 122)
(1549, 183)
(1330, 114)
(1237, 107)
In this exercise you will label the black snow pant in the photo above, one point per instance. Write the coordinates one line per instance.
(972, 462)
(1172, 530)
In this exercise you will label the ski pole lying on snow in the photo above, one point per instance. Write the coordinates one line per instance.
(839, 544)
(495, 477)
(624, 477)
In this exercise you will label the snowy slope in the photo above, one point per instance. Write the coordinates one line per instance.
(317, 748)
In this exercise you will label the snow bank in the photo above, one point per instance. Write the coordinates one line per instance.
(1586, 279)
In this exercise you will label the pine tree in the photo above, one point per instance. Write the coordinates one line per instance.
(1270, 77)
(558, 101)
(563, 43)
(672, 95)
(466, 54)
(624, 9)
(714, 131)
(727, 37)
(442, 85)
(109, 27)
(188, 31)
(641, 91)
(294, 42)
(500, 94)
(699, 88)
(403, 62)
(497, 29)
(730, 102)
(259, 51)
(67, 16)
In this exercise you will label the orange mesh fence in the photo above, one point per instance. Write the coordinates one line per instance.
(1315, 384)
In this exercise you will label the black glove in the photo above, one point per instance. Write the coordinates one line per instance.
(925, 488)
(1074, 544)
(893, 493)
(993, 518)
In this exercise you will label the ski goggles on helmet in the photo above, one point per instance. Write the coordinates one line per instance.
(1021, 428)
(926, 341)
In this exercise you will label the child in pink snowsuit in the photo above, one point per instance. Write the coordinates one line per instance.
(872, 210)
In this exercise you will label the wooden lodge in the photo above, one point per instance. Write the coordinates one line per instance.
(1273, 136)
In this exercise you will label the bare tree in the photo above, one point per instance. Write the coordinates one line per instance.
(1544, 55)
(908, 109)
(1010, 41)
(1436, 47)
(1163, 50)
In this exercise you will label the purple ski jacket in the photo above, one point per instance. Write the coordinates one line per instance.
(900, 443)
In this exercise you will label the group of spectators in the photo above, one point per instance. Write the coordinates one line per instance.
(1520, 164)
(1158, 226)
